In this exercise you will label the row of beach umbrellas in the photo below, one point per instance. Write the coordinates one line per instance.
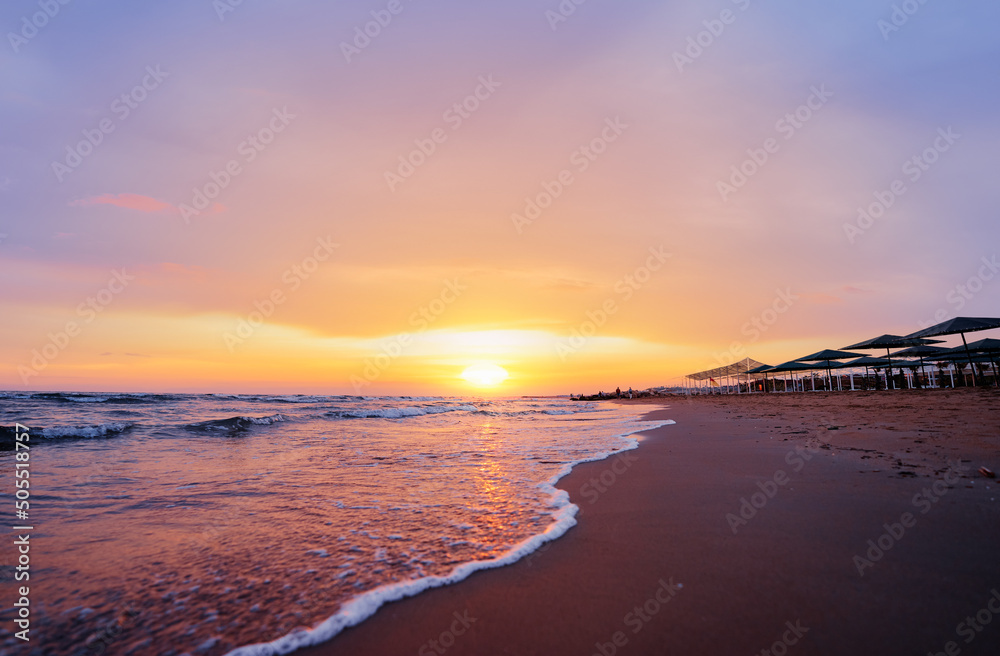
(918, 344)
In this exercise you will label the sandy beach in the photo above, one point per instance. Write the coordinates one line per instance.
(850, 523)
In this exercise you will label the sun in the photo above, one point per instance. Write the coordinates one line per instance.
(485, 375)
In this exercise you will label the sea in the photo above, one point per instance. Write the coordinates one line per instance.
(207, 524)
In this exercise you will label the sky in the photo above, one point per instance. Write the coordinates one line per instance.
(370, 197)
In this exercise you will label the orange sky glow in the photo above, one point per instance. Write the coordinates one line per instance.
(585, 210)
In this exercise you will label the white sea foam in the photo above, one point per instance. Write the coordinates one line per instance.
(100, 430)
(399, 412)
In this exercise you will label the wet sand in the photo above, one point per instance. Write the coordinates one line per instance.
(654, 565)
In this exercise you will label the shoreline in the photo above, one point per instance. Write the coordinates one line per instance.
(364, 606)
(658, 522)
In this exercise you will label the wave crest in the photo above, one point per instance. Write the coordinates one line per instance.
(110, 429)
(397, 413)
(233, 424)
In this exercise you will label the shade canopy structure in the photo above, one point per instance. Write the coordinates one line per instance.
(735, 369)
(867, 361)
(878, 363)
(988, 345)
(962, 357)
(984, 351)
(827, 356)
(889, 342)
(922, 352)
(959, 326)
(762, 369)
(794, 365)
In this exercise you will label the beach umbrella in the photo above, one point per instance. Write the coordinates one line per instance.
(795, 365)
(826, 356)
(959, 326)
(762, 369)
(988, 345)
(908, 364)
(921, 352)
(792, 366)
(889, 342)
(866, 361)
(984, 350)
(961, 358)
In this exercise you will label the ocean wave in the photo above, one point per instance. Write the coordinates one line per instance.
(233, 424)
(398, 413)
(141, 398)
(405, 398)
(541, 410)
(91, 397)
(296, 398)
(283, 398)
(70, 397)
(67, 432)
(99, 430)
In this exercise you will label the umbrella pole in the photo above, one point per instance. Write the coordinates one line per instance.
(969, 355)
(888, 376)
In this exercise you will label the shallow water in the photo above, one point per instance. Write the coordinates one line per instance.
(167, 524)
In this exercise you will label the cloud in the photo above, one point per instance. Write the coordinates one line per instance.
(216, 208)
(822, 298)
(194, 272)
(128, 201)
